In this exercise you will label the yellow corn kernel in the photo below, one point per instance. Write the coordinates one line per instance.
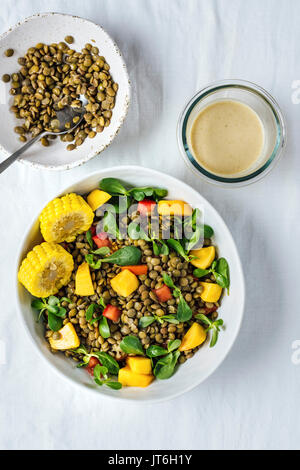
(174, 208)
(139, 365)
(97, 198)
(205, 257)
(124, 283)
(195, 336)
(83, 281)
(65, 217)
(211, 292)
(68, 338)
(46, 269)
(129, 378)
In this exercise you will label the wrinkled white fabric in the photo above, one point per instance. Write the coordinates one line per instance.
(173, 48)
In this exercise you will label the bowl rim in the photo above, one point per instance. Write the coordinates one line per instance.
(173, 180)
(92, 154)
(223, 181)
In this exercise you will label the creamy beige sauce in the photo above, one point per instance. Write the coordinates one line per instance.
(227, 137)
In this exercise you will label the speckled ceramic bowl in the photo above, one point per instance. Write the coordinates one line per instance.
(49, 28)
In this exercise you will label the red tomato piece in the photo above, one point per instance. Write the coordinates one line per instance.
(91, 365)
(101, 239)
(112, 312)
(146, 206)
(163, 293)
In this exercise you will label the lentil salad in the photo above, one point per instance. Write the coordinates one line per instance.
(134, 306)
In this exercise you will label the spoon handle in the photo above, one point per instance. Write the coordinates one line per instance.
(6, 163)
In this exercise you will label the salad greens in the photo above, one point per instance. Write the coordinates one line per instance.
(219, 269)
(52, 305)
(184, 312)
(128, 255)
(114, 187)
(212, 325)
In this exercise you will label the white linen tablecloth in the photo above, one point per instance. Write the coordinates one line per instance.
(173, 48)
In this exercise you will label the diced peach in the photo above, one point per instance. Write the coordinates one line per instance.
(195, 336)
(124, 283)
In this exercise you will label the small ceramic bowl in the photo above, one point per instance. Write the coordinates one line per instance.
(206, 360)
(49, 28)
(265, 107)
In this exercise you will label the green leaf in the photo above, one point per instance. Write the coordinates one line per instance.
(222, 270)
(164, 250)
(104, 328)
(146, 321)
(214, 337)
(155, 351)
(103, 251)
(99, 382)
(156, 248)
(89, 312)
(89, 258)
(221, 280)
(204, 319)
(55, 323)
(201, 272)
(137, 194)
(53, 309)
(108, 361)
(113, 385)
(176, 245)
(65, 299)
(102, 303)
(159, 193)
(99, 372)
(184, 312)
(173, 344)
(126, 256)
(89, 238)
(81, 350)
(168, 280)
(53, 301)
(61, 312)
(170, 319)
(113, 186)
(208, 231)
(132, 345)
(136, 232)
(165, 366)
(38, 304)
(110, 225)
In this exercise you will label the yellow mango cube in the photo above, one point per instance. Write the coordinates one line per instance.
(68, 339)
(174, 208)
(195, 336)
(124, 283)
(130, 379)
(205, 257)
(97, 198)
(83, 281)
(139, 365)
(211, 292)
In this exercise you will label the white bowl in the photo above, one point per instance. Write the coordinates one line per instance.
(49, 28)
(207, 359)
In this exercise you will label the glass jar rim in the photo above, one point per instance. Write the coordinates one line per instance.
(241, 180)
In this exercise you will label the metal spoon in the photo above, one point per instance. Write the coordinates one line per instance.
(64, 116)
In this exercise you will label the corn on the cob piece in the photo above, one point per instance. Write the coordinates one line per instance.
(65, 217)
(46, 269)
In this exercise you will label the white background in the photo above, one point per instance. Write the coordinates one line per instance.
(173, 48)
